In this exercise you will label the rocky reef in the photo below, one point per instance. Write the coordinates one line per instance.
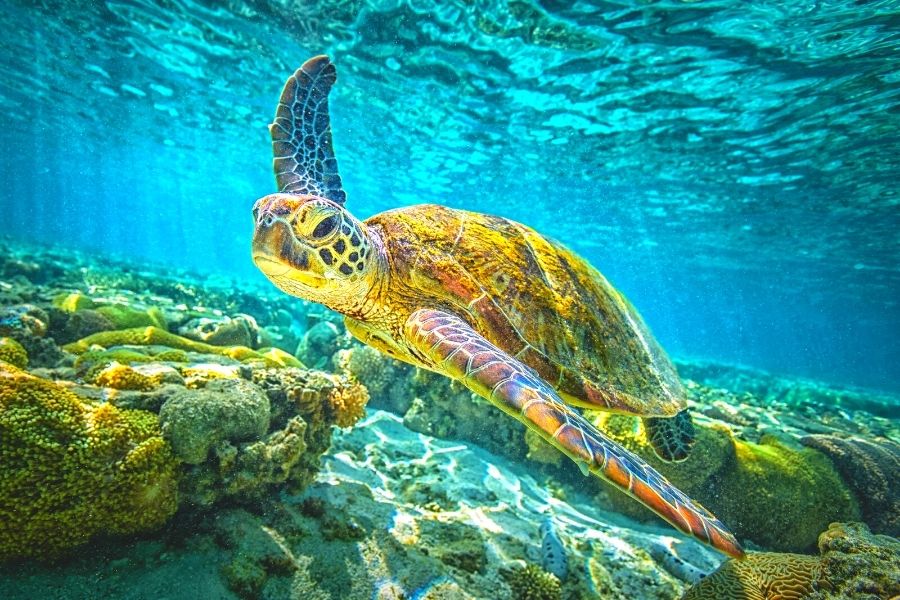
(745, 462)
(153, 424)
(122, 421)
(853, 564)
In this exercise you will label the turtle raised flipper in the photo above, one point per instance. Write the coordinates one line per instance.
(449, 345)
(301, 134)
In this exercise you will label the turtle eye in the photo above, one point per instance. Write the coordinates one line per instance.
(326, 226)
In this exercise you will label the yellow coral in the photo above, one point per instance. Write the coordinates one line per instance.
(309, 401)
(69, 470)
(123, 377)
(125, 317)
(12, 352)
(154, 336)
(281, 358)
(73, 302)
(347, 404)
(759, 576)
(803, 485)
(366, 365)
(533, 583)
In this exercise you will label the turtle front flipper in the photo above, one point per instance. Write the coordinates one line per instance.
(451, 346)
(301, 134)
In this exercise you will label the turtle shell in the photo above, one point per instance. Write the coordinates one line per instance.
(536, 300)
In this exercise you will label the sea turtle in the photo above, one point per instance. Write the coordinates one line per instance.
(516, 317)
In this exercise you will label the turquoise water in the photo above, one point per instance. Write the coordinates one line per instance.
(732, 170)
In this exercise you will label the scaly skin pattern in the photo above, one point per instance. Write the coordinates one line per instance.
(452, 347)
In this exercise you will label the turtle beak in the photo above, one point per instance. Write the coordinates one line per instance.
(278, 254)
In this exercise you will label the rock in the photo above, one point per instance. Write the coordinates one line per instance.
(28, 324)
(741, 481)
(872, 470)
(318, 344)
(857, 565)
(233, 410)
(82, 324)
(23, 321)
(240, 330)
(12, 352)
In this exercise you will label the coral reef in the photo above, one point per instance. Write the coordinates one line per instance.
(759, 576)
(854, 565)
(23, 321)
(277, 356)
(447, 409)
(772, 389)
(27, 324)
(368, 366)
(319, 343)
(241, 438)
(857, 565)
(246, 472)
(155, 336)
(123, 377)
(123, 316)
(194, 421)
(872, 470)
(81, 324)
(533, 583)
(268, 513)
(542, 452)
(73, 302)
(70, 470)
(347, 404)
(802, 484)
(240, 330)
(12, 352)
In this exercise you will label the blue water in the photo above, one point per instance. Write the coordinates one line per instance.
(732, 169)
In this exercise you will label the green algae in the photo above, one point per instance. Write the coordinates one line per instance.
(778, 496)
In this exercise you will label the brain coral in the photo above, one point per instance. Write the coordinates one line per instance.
(759, 576)
(70, 470)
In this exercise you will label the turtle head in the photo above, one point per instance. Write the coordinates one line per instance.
(312, 248)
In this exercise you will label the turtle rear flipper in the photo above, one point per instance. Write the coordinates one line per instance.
(450, 346)
(671, 437)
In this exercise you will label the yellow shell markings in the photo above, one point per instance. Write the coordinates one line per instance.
(533, 298)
